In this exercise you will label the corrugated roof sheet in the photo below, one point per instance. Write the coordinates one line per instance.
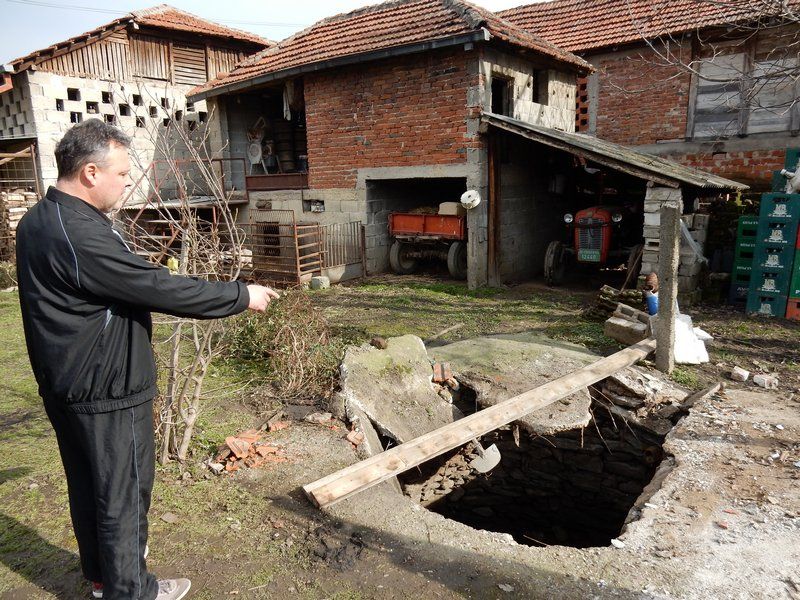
(162, 16)
(616, 156)
(579, 25)
(383, 26)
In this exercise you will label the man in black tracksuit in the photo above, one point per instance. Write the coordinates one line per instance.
(86, 302)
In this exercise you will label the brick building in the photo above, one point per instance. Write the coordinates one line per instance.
(726, 117)
(379, 110)
(133, 72)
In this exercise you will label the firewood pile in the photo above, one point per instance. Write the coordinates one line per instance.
(13, 204)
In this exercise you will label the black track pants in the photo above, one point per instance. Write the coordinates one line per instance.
(109, 460)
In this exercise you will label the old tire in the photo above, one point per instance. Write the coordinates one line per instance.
(457, 260)
(401, 263)
(634, 263)
(554, 263)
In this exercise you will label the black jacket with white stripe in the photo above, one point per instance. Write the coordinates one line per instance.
(86, 302)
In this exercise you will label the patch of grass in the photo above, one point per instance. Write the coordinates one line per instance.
(686, 378)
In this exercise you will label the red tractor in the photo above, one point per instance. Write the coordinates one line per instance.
(426, 236)
(599, 236)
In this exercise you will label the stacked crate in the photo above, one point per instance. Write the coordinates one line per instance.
(691, 266)
(793, 304)
(774, 254)
(744, 252)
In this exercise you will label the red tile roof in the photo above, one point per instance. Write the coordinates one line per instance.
(162, 16)
(383, 26)
(580, 25)
(167, 17)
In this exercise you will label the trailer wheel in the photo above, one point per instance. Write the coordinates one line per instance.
(554, 263)
(457, 260)
(401, 263)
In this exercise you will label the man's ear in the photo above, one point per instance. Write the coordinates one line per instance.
(89, 173)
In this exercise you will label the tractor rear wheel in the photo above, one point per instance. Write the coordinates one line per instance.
(457, 260)
(401, 263)
(554, 263)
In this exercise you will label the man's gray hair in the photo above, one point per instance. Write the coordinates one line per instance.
(87, 142)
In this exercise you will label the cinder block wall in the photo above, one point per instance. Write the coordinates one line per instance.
(53, 112)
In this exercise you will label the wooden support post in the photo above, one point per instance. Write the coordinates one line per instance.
(669, 255)
(370, 472)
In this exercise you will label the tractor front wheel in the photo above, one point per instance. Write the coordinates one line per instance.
(399, 260)
(554, 263)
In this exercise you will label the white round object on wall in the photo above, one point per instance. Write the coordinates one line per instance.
(470, 199)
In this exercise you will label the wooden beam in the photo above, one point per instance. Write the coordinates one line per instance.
(367, 473)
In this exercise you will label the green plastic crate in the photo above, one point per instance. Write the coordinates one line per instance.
(779, 234)
(770, 282)
(792, 156)
(775, 259)
(766, 305)
(794, 284)
(778, 182)
(780, 207)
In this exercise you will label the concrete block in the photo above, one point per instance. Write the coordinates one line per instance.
(688, 283)
(691, 269)
(662, 193)
(699, 235)
(766, 381)
(652, 219)
(739, 374)
(649, 267)
(452, 208)
(701, 221)
(651, 232)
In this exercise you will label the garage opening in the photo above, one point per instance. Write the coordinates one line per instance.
(422, 239)
(576, 488)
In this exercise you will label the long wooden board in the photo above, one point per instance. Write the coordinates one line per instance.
(367, 473)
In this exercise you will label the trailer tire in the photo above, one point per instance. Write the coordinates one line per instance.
(401, 263)
(457, 260)
(554, 263)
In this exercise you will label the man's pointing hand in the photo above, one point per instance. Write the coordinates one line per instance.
(260, 296)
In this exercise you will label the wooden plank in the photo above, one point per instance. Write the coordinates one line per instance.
(370, 472)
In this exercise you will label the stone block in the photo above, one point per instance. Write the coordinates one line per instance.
(651, 232)
(766, 381)
(320, 282)
(625, 331)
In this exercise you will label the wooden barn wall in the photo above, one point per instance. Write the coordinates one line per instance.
(122, 57)
(107, 58)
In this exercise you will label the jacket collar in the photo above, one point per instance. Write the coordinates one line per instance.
(76, 204)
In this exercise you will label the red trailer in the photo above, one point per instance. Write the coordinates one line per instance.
(418, 236)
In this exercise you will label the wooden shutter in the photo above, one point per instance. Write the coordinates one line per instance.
(190, 63)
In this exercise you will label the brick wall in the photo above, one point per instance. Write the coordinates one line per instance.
(401, 112)
(639, 101)
(752, 167)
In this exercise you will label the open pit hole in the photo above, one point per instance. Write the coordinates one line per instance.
(576, 488)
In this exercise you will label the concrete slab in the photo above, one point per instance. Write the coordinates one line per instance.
(393, 388)
(502, 366)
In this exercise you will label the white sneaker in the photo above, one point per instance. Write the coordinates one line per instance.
(173, 589)
(97, 587)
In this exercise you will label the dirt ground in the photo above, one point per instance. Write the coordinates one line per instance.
(725, 523)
